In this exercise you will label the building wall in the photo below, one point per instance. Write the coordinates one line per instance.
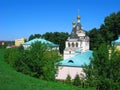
(118, 47)
(63, 71)
(18, 42)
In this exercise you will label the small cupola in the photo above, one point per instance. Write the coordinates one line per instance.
(73, 23)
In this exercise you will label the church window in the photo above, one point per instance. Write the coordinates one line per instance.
(69, 52)
(76, 44)
(70, 61)
(72, 44)
(68, 44)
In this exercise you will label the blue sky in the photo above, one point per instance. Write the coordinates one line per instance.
(21, 18)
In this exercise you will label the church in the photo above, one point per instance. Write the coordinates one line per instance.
(76, 53)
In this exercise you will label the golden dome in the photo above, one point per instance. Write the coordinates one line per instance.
(73, 22)
(78, 17)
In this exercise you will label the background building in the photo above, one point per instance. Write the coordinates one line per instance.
(19, 42)
(26, 45)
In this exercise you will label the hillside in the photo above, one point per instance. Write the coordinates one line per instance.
(12, 80)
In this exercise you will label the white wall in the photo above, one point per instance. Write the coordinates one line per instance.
(63, 71)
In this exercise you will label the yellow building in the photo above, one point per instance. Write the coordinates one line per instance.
(19, 42)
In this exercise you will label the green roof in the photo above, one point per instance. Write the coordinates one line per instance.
(78, 60)
(42, 41)
(116, 42)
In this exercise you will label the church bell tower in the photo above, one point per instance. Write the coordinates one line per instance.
(78, 42)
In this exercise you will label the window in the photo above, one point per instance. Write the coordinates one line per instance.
(68, 44)
(72, 44)
(76, 44)
(70, 61)
(69, 52)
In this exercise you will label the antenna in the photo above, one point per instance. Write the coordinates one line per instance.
(78, 12)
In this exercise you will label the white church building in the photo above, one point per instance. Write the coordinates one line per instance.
(76, 53)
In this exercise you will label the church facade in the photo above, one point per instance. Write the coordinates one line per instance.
(77, 42)
(76, 53)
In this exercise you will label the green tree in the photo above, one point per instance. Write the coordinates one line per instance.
(104, 68)
(107, 32)
(11, 56)
(68, 80)
(57, 38)
(39, 61)
(95, 38)
(34, 36)
(77, 81)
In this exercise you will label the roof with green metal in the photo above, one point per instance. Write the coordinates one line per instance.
(117, 41)
(78, 60)
(42, 41)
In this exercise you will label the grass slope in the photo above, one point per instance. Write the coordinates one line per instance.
(12, 80)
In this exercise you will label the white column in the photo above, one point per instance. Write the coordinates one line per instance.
(66, 44)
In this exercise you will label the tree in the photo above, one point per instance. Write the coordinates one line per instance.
(39, 61)
(77, 81)
(57, 38)
(11, 56)
(107, 32)
(34, 36)
(104, 68)
(95, 38)
(68, 80)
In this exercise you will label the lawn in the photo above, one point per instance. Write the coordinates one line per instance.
(12, 80)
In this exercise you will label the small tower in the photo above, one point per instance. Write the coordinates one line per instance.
(78, 18)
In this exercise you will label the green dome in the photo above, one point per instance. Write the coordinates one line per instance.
(73, 22)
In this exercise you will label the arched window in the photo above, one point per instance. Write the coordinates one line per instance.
(69, 52)
(76, 44)
(68, 44)
(72, 44)
(70, 61)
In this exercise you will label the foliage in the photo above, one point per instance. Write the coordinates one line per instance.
(68, 80)
(12, 80)
(11, 56)
(57, 38)
(34, 36)
(95, 38)
(77, 81)
(104, 68)
(39, 61)
(107, 32)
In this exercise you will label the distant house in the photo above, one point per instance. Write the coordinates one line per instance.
(3, 43)
(19, 42)
(26, 45)
(76, 53)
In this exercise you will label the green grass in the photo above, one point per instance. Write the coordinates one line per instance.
(12, 80)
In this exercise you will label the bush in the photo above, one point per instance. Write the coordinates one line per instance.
(11, 56)
(77, 81)
(39, 61)
(68, 80)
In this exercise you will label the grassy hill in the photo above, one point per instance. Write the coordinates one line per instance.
(12, 80)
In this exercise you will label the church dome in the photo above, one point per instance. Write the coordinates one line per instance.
(73, 23)
(78, 17)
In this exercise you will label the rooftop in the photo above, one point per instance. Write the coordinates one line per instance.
(40, 40)
(116, 42)
(78, 60)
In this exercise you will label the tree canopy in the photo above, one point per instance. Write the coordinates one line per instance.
(104, 69)
(107, 32)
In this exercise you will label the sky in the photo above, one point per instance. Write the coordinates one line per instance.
(21, 18)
